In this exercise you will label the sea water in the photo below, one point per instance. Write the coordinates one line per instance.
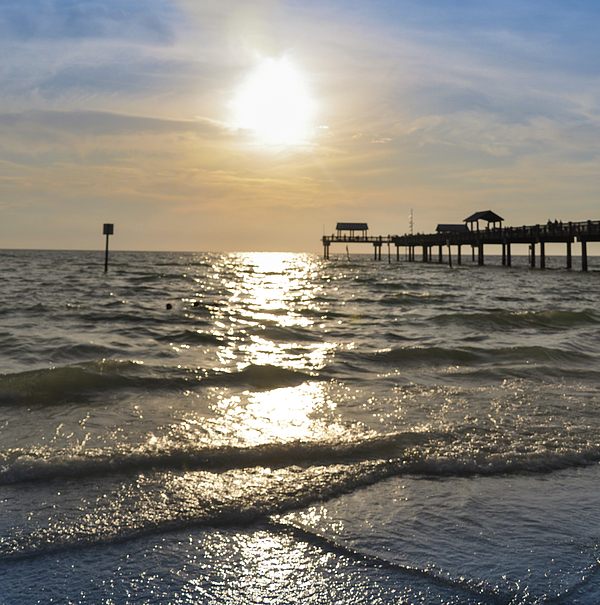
(276, 428)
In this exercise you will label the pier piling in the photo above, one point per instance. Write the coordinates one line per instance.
(542, 255)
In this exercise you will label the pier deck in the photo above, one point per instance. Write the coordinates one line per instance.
(551, 232)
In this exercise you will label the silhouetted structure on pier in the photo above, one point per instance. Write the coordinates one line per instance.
(350, 236)
(486, 215)
(351, 228)
(458, 235)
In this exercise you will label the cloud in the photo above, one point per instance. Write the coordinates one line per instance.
(428, 104)
(45, 125)
(138, 77)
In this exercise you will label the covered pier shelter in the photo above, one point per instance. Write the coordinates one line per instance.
(355, 232)
(351, 228)
(486, 215)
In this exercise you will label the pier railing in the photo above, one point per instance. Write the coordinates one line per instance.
(552, 231)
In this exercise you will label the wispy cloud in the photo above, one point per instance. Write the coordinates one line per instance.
(452, 106)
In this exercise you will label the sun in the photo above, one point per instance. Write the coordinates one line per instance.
(273, 102)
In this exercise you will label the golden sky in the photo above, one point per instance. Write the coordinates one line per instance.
(257, 125)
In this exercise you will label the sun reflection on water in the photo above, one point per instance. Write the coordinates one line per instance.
(272, 285)
(280, 415)
(270, 312)
(262, 351)
(262, 385)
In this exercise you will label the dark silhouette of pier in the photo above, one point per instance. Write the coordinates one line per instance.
(448, 236)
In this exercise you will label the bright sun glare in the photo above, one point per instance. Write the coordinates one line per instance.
(273, 102)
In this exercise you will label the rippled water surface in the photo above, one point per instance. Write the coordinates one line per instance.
(275, 428)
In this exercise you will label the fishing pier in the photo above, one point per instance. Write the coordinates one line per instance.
(470, 234)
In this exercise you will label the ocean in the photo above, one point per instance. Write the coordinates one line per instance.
(280, 429)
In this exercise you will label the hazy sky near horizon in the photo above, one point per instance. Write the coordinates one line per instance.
(258, 124)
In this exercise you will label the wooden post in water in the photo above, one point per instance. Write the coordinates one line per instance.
(449, 254)
(569, 256)
(326, 243)
(584, 264)
(458, 259)
(108, 230)
(377, 249)
(508, 259)
(532, 254)
(542, 254)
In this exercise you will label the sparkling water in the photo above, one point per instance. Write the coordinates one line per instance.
(276, 428)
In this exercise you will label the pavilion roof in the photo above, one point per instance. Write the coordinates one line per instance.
(352, 227)
(486, 215)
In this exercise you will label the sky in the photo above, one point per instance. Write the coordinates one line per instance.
(257, 125)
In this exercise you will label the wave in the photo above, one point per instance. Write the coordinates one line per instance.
(120, 318)
(192, 337)
(19, 466)
(436, 356)
(430, 453)
(178, 489)
(165, 486)
(89, 380)
(36, 308)
(471, 591)
(539, 373)
(416, 299)
(512, 320)
(265, 377)
(277, 333)
(73, 351)
(61, 384)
